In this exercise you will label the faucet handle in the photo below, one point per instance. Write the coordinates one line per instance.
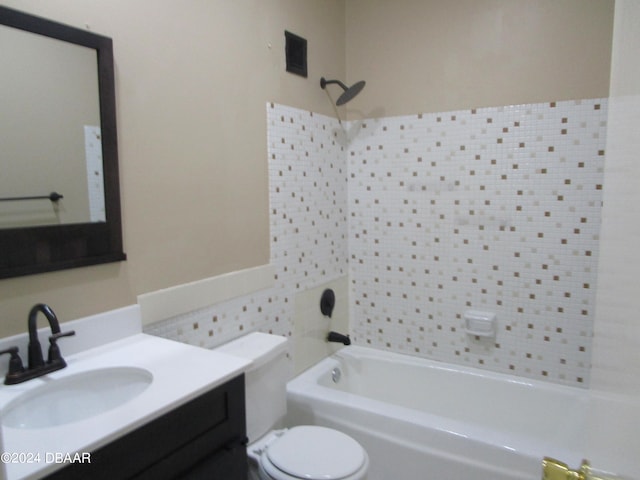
(15, 363)
(54, 350)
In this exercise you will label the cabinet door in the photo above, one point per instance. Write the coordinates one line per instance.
(194, 437)
(227, 464)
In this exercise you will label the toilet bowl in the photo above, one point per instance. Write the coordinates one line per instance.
(308, 452)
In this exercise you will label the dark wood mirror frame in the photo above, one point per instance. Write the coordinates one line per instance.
(30, 250)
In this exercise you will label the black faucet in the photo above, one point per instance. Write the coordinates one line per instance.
(338, 338)
(37, 366)
(35, 351)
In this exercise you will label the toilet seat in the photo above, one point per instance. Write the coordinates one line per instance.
(314, 453)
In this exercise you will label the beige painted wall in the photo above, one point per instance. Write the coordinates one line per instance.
(434, 55)
(192, 79)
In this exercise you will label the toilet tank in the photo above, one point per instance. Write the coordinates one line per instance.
(265, 380)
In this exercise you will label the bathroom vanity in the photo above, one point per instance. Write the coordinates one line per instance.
(136, 406)
(204, 438)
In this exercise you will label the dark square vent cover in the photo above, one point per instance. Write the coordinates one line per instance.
(296, 52)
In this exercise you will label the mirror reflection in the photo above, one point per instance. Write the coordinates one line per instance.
(59, 187)
(49, 132)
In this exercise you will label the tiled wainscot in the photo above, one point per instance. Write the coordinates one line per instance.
(493, 209)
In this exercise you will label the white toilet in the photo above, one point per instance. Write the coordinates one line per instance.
(302, 452)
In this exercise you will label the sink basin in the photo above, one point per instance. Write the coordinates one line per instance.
(76, 397)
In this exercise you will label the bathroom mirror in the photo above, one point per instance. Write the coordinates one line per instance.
(59, 186)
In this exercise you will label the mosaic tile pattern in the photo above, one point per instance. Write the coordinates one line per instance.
(209, 327)
(95, 174)
(308, 197)
(494, 209)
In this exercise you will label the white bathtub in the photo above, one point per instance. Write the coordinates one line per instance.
(420, 419)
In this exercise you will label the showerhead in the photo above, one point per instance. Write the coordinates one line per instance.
(349, 92)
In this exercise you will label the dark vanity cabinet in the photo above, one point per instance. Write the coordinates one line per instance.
(202, 439)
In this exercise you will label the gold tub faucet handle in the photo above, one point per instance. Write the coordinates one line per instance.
(553, 469)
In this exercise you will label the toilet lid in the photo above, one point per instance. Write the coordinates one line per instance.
(316, 453)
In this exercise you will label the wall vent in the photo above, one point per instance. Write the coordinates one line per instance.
(296, 53)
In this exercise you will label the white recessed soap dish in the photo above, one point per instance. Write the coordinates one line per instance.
(480, 324)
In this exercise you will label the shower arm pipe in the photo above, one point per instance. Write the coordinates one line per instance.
(324, 83)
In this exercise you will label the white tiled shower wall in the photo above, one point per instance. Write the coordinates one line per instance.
(494, 209)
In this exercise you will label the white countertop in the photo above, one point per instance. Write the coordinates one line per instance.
(180, 373)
